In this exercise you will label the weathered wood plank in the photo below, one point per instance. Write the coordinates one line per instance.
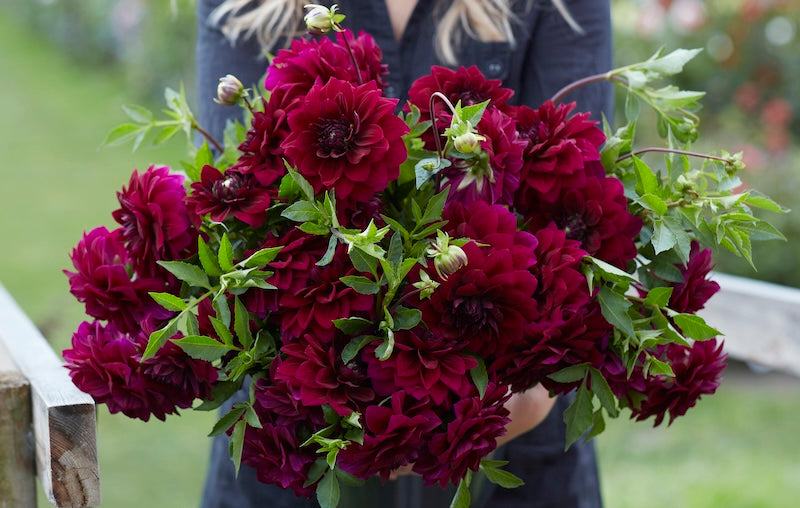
(64, 421)
(17, 471)
(760, 320)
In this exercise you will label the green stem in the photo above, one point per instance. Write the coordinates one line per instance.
(674, 151)
(208, 136)
(605, 76)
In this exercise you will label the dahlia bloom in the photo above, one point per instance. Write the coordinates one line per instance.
(156, 223)
(695, 290)
(102, 281)
(106, 364)
(346, 138)
(230, 193)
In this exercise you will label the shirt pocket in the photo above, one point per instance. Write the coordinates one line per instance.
(492, 58)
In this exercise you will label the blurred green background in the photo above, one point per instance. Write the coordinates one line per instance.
(66, 67)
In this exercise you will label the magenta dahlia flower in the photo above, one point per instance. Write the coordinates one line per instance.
(368, 56)
(692, 294)
(156, 223)
(348, 139)
(306, 62)
(106, 364)
(221, 195)
(465, 84)
(558, 147)
(102, 281)
(698, 371)
(394, 434)
(470, 436)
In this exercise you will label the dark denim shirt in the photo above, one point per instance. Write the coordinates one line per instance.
(547, 55)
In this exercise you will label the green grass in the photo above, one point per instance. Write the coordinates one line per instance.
(736, 449)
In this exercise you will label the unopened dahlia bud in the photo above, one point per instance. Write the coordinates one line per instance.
(468, 142)
(447, 259)
(321, 20)
(426, 285)
(229, 90)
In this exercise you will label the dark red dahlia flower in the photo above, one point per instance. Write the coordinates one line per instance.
(596, 214)
(106, 364)
(156, 223)
(393, 437)
(103, 283)
(261, 151)
(422, 365)
(692, 294)
(315, 372)
(348, 139)
(558, 147)
(484, 305)
(277, 401)
(470, 436)
(494, 225)
(698, 371)
(493, 176)
(465, 84)
(230, 193)
(308, 61)
(275, 453)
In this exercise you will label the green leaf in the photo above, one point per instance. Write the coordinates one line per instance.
(241, 323)
(427, 168)
(610, 272)
(169, 301)
(318, 468)
(474, 112)
(570, 374)
(305, 186)
(166, 133)
(361, 284)
(137, 113)
(663, 237)
(479, 376)
(302, 211)
(614, 307)
(654, 203)
(669, 64)
(598, 424)
(462, 497)
(435, 206)
(384, 351)
(328, 492)
(203, 348)
(362, 261)
(223, 309)
(225, 255)
(207, 258)
(395, 253)
(237, 444)
(312, 228)
(189, 273)
(761, 201)
(603, 392)
(329, 252)
(353, 347)
(499, 476)
(656, 367)
(221, 393)
(578, 416)
(123, 133)
(261, 258)
(406, 319)
(647, 181)
(658, 297)
(227, 421)
(695, 327)
(352, 325)
(222, 331)
(159, 337)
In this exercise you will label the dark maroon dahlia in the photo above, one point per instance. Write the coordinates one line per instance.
(275, 453)
(698, 371)
(471, 435)
(314, 371)
(422, 365)
(106, 364)
(692, 294)
(394, 435)
(104, 283)
(492, 176)
(277, 401)
(490, 224)
(156, 224)
(596, 214)
(221, 195)
(558, 147)
(261, 150)
(368, 55)
(346, 138)
(485, 305)
(306, 62)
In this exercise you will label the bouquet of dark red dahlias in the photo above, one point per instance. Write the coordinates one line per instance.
(383, 282)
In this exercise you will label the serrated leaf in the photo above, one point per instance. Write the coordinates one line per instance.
(598, 424)
(395, 253)
(188, 273)
(227, 421)
(207, 258)
(614, 307)
(501, 477)
(220, 393)
(654, 203)
(352, 325)
(761, 201)
(241, 323)
(361, 284)
(658, 297)
(300, 181)
(261, 257)
(353, 347)
(237, 444)
(169, 301)
(362, 261)
(333, 242)
(312, 228)
(671, 63)
(479, 376)
(165, 134)
(603, 392)
(159, 337)
(225, 255)
(610, 272)
(695, 327)
(202, 347)
(328, 492)
(122, 134)
(570, 374)
(384, 351)
(647, 181)
(406, 319)
(223, 309)
(578, 416)
(427, 168)
(302, 211)
(315, 472)
(461, 499)
(138, 114)
(222, 331)
(663, 237)
(656, 367)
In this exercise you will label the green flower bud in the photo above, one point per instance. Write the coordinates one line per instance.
(321, 20)
(468, 142)
(447, 259)
(426, 285)
(229, 91)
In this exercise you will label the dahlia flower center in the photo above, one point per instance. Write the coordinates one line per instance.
(227, 189)
(470, 97)
(336, 136)
(475, 314)
(573, 226)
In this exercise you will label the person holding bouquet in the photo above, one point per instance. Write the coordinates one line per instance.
(534, 48)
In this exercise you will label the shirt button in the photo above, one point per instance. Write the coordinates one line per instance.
(494, 67)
